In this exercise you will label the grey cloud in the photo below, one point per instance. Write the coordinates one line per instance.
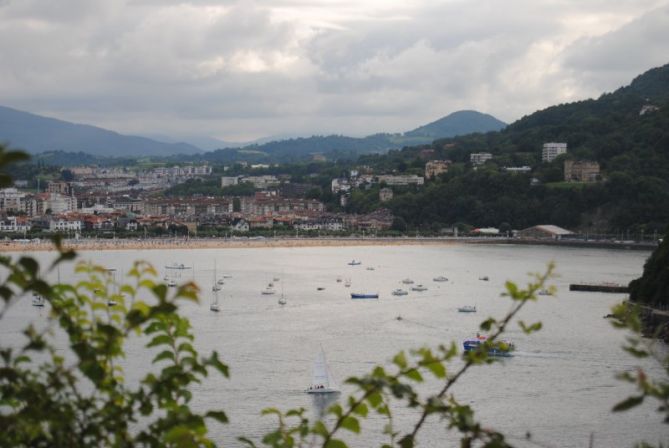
(605, 62)
(152, 66)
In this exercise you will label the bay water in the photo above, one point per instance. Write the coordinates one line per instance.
(559, 387)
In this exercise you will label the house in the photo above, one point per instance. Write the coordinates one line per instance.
(433, 168)
(15, 224)
(581, 171)
(479, 158)
(545, 231)
(64, 223)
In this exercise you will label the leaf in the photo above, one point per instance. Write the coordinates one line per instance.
(162, 339)
(406, 441)
(351, 423)
(320, 429)
(335, 443)
(400, 360)
(414, 375)
(361, 410)
(628, 403)
(437, 369)
(164, 355)
(375, 399)
(217, 415)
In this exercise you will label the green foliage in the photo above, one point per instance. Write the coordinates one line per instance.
(652, 287)
(50, 402)
(627, 316)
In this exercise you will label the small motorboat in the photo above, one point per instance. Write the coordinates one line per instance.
(467, 309)
(400, 292)
(441, 278)
(418, 288)
(407, 281)
(499, 348)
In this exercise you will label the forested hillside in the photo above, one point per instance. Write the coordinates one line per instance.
(631, 147)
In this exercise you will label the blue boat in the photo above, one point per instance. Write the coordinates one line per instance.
(373, 295)
(500, 348)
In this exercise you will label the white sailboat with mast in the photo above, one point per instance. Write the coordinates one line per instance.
(323, 381)
(215, 288)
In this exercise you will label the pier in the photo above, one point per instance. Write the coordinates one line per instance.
(599, 287)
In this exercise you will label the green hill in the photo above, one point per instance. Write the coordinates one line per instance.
(631, 147)
(458, 123)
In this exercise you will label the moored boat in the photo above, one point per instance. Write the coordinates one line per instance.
(418, 288)
(364, 295)
(399, 292)
(500, 348)
(441, 278)
(467, 309)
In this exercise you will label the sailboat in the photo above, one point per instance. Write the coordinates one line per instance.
(322, 380)
(282, 300)
(214, 304)
(215, 288)
(110, 300)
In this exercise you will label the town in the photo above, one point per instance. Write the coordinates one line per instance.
(127, 201)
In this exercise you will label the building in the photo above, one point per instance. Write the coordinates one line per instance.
(13, 200)
(340, 185)
(581, 171)
(551, 150)
(545, 231)
(479, 158)
(410, 179)
(63, 188)
(227, 181)
(433, 168)
(517, 169)
(64, 224)
(15, 224)
(385, 194)
(262, 182)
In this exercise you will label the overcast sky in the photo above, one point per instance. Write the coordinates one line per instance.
(240, 70)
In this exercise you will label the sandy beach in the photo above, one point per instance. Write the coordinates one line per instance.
(217, 243)
(260, 242)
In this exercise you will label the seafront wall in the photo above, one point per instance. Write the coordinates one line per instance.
(260, 242)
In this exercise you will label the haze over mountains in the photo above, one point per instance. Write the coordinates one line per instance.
(38, 134)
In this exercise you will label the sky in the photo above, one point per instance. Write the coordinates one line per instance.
(242, 70)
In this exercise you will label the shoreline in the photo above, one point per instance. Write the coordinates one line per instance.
(249, 243)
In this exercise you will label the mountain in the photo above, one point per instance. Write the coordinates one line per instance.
(37, 134)
(458, 123)
(340, 146)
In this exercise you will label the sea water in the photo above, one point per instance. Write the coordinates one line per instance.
(559, 387)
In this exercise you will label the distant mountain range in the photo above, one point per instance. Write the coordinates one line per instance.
(38, 134)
